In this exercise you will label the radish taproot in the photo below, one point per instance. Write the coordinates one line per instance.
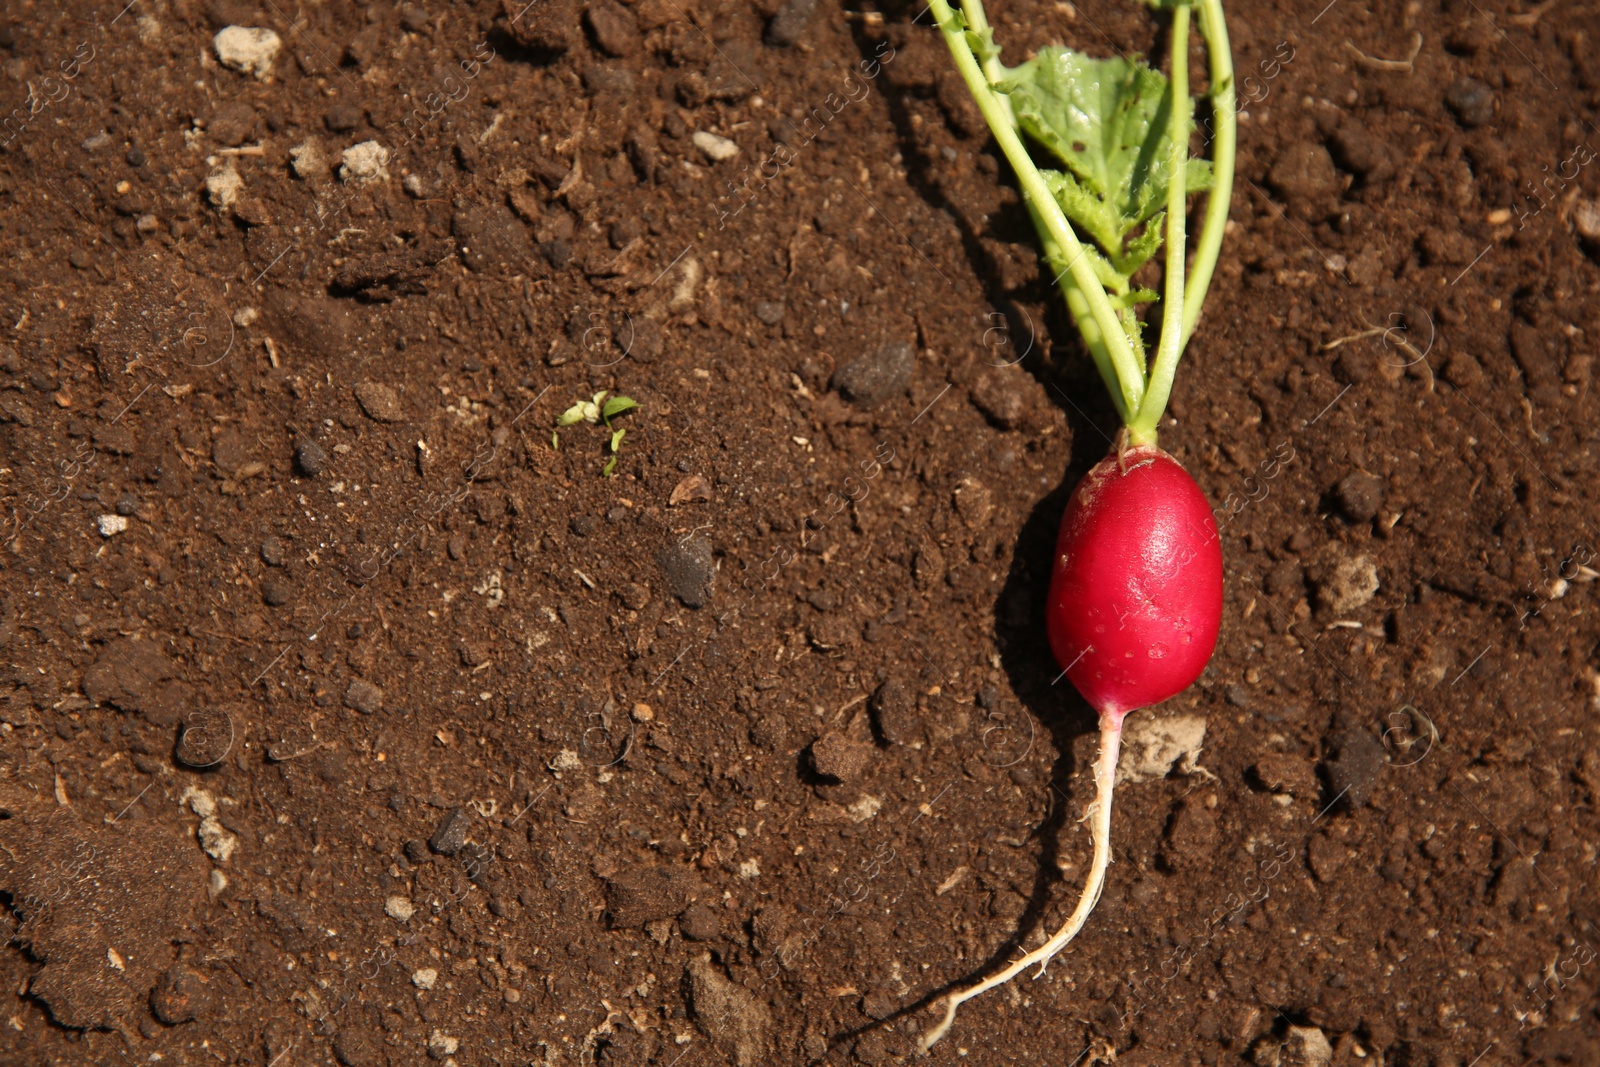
(1136, 589)
(1135, 598)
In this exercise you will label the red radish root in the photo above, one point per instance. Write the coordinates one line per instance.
(1136, 590)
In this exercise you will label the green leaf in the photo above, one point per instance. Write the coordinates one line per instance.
(982, 44)
(617, 405)
(555, 441)
(576, 413)
(1133, 297)
(1142, 247)
(1087, 211)
(616, 440)
(1108, 121)
(610, 468)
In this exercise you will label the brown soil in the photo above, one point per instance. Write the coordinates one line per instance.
(385, 729)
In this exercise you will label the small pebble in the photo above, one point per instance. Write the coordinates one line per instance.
(135, 157)
(451, 833)
(424, 977)
(364, 163)
(111, 525)
(789, 24)
(689, 569)
(1471, 100)
(770, 311)
(363, 696)
(399, 908)
(310, 458)
(274, 592)
(248, 50)
(127, 504)
(272, 552)
(717, 149)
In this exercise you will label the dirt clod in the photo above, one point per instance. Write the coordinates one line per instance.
(1304, 173)
(894, 711)
(614, 27)
(836, 756)
(361, 695)
(739, 1023)
(644, 893)
(1360, 496)
(1342, 582)
(180, 996)
(1353, 769)
(700, 923)
(136, 676)
(689, 570)
(1153, 745)
(1301, 1046)
(872, 379)
(379, 401)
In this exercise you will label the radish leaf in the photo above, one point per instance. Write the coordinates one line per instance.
(1108, 121)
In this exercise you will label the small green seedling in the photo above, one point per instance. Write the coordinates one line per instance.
(598, 410)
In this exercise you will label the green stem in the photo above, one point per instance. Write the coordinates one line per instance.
(1130, 377)
(1142, 430)
(993, 69)
(1225, 111)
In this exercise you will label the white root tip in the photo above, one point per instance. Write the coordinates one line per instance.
(932, 1037)
(1105, 780)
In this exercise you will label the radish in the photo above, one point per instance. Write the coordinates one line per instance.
(1136, 592)
(1135, 597)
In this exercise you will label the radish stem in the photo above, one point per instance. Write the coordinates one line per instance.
(1099, 818)
(1130, 376)
(1142, 430)
(1224, 109)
